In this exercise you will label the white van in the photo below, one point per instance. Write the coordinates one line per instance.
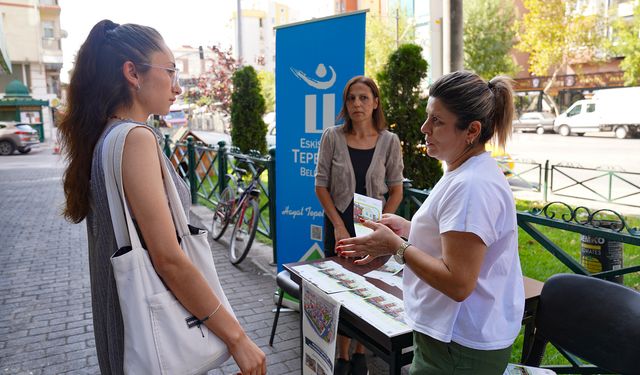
(614, 110)
(580, 118)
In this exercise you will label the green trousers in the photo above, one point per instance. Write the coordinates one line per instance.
(433, 357)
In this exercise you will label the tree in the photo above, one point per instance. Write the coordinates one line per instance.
(556, 33)
(405, 111)
(381, 40)
(214, 86)
(268, 84)
(489, 35)
(248, 130)
(627, 43)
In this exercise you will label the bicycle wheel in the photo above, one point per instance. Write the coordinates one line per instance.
(222, 213)
(244, 231)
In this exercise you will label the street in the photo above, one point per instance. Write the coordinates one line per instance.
(593, 150)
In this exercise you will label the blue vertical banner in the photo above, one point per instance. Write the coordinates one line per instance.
(314, 61)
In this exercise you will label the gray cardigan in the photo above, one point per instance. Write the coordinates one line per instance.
(335, 171)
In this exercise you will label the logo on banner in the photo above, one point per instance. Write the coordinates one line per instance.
(310, 101)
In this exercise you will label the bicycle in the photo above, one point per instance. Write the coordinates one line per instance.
(243, 212)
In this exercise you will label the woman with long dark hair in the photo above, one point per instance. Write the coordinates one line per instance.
(123, 74)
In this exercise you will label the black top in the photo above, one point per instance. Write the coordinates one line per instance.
(360, 160)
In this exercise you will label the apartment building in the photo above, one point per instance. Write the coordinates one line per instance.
(33, 36)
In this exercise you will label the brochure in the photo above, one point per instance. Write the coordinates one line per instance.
(366, 208)
(390, 273)
(382, 310)
(319, 329)
(330, 276)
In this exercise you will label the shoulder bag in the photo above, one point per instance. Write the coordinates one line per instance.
(160, 335)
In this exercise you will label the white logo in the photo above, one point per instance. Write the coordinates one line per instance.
(328, 100)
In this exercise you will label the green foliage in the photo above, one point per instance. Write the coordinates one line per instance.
(381, 40)
(248, 131)
(268, 84)
(627, 44)
(489, 35)
(406, 111)
(558, 32)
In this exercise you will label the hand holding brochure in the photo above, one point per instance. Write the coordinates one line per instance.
(366, 208)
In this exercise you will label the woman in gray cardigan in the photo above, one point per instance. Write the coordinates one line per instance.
(361, 157)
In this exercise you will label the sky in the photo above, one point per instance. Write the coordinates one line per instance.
(185, 22)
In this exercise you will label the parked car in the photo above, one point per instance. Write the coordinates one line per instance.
(175, 118)
(539, 122)
(17, 136)
(270, 120)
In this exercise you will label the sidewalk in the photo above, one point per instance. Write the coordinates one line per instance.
(45, 301)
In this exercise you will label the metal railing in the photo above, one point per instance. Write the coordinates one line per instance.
(578, 220)
(596, 184)
(201, 166)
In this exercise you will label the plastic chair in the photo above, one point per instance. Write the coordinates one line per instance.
(588, 318)
(288, 286)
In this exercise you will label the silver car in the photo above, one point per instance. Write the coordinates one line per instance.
(17, 136)
(539, 122)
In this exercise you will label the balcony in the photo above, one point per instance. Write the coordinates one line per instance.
(52, 44)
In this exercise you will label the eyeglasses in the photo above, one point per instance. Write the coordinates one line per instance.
(174, 73)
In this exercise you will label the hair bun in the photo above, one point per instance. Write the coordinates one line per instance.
(107, 25)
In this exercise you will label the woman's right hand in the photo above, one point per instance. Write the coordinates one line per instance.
(397, 224)
(248, 356)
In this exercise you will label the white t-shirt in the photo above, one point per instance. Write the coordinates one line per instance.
(474, 198)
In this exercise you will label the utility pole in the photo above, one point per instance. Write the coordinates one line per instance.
(239, 27)
(397, 28)
(457, 35)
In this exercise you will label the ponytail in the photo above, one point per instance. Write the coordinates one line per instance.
(503, 109)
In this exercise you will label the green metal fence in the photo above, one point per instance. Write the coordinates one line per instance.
(202, 165)
(206, 169)
(596, 184)
(578, 220)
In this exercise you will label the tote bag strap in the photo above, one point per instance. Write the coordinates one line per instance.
(123, 227)
(175, 204)
(112, 161)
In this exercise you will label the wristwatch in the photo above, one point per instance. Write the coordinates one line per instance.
(399, 255)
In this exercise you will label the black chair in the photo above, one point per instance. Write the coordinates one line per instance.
(588, 318)
(290, 287)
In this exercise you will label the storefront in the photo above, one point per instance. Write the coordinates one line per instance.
(18, 105)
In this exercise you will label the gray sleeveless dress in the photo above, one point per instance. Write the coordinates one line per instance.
(107, 319)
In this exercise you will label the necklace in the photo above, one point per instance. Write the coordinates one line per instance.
(114, 117)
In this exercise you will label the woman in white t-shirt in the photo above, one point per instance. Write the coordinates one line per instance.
(462, 288)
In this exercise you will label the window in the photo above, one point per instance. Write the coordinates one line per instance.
(575, 110)
(591, 107)
(53, 84)
(48, 29)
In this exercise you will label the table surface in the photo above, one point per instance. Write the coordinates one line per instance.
(385, 343)
(532, 287)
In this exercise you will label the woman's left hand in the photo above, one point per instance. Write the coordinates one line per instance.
(381, 242)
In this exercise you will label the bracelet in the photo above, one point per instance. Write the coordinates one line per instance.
(212, 314)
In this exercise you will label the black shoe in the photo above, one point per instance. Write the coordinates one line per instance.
(359, 364)
(343, 367)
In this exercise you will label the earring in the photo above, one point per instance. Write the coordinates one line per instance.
(138, 87)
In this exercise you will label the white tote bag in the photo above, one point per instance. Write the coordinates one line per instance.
(160, 336)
